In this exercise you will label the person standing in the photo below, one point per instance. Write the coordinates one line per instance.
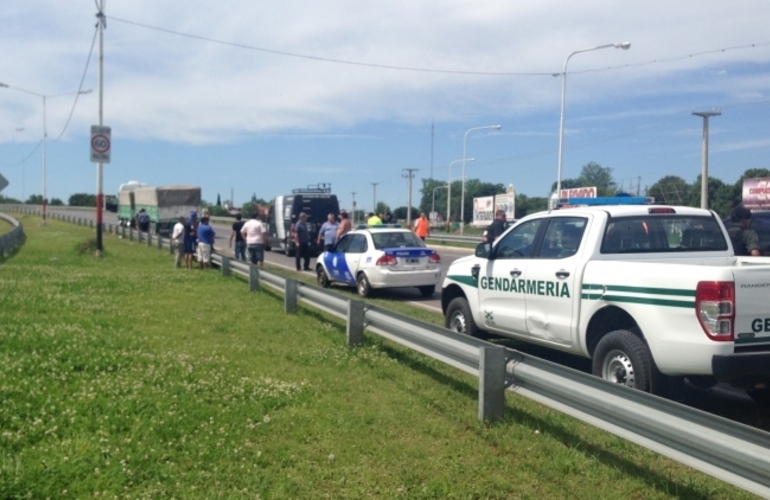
(345, 225)
(422, 226)
(190, 239)
(205, 243)
(328, 232)
(302, 240)
(177, 240)
(496, 229)
(745, 240)
(253, 232)
(373, 220)
(240, 243)
(144, 221)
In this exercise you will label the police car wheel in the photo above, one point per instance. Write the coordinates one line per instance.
(459, 318)
(363, 285)
(323, 279)
(427, 291)
(623, 358)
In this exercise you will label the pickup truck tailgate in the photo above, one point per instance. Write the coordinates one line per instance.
(752, 300)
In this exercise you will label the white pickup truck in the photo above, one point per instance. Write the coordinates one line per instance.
(651, 294)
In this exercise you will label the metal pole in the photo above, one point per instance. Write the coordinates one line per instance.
(45, 169)
(354, 209)
(704, 177)
(374, 196)
(409, 175)
(100, 165)
(624, 46)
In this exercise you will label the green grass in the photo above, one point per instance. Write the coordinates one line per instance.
(126, 378)
(5, 226)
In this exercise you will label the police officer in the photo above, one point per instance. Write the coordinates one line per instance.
(496, 229)
(745, 240)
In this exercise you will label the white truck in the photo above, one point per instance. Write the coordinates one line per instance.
(652, 294)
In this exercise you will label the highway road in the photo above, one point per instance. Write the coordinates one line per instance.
(221, 245)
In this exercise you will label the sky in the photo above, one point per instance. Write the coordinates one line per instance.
(264, 97)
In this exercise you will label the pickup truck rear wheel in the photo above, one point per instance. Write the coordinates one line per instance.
(623, 358)
(459, 318)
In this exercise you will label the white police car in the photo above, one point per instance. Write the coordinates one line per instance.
(380, 257)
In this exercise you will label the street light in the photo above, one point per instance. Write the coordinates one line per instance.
(449, 189)
(622, 45)
(704, 176)
(45, 131)
(374, 196)
(433, 207)
(462, 196)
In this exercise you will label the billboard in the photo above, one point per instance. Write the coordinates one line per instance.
(507, 203)
(756, 193)
(581, 192)
(483, 211)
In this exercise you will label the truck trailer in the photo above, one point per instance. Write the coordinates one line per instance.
(164, 205)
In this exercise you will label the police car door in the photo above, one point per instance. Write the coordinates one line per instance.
(502, 277)
(336, 263)
(551, 277)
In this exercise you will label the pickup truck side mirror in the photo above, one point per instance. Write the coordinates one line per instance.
(484, 250)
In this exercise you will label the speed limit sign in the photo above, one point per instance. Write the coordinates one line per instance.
(100, 144)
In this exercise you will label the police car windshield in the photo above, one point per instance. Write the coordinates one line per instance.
(396, 239)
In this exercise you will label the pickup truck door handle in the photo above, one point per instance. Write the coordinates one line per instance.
(515, 273)
(562, 274)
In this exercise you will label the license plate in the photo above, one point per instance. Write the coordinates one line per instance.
(412, 261)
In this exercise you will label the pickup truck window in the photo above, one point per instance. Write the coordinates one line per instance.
(562, 238)
(662, 233)
(517, 243)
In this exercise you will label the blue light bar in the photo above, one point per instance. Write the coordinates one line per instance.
(606, 200)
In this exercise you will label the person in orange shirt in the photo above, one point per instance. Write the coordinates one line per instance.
(422, 226)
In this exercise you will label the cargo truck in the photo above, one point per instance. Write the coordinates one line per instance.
(164, 204)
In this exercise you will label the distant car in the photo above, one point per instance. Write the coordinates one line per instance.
(380, 257)
(760, 223)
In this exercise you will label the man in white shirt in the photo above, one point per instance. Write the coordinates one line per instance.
(176, 240)
(254, 234)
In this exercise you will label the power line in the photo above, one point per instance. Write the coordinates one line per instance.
(26, 157)
(429, 70)
(80, 88)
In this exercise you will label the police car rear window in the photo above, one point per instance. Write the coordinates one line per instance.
(657, 233)
(396, 239)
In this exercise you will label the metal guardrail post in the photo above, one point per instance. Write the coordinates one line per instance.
(491, 383)
(149, 239)
(171, 246)
(160, 242)
(225, 265)
(130, 234)
(355, 322)
(253, 278)
(123, 232)
(290, 297)
(91, 223)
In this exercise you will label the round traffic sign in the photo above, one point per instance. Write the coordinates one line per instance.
(100, 143)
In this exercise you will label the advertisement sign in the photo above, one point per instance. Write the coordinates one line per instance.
(483, 211)
(756, 193)
(507, 203)
(581, 192)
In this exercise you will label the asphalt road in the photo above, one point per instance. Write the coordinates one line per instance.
(221, 245)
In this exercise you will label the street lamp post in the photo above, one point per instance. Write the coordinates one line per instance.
(449, 189)
(45, 132)
(433, 207)
(374, 196)
(462, 196)
(704, 176)
(622, 45)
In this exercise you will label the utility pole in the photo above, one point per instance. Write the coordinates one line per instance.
(432, 123)
(704, 177)
(102, 22)
(374, 196)
(409, 175)
(354, 208)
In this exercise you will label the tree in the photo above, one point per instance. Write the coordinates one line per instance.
(670, 190)
(82, 200)
(721, 196)
(474, 188)
(382, 208)
(219, 200)
(56, 202)
(400, 213)
(5, 199)
(592, 174)
(526, 205)
(34, 199)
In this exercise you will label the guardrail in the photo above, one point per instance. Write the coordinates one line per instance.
(454, 239)
(730, 451)
(13, 238)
